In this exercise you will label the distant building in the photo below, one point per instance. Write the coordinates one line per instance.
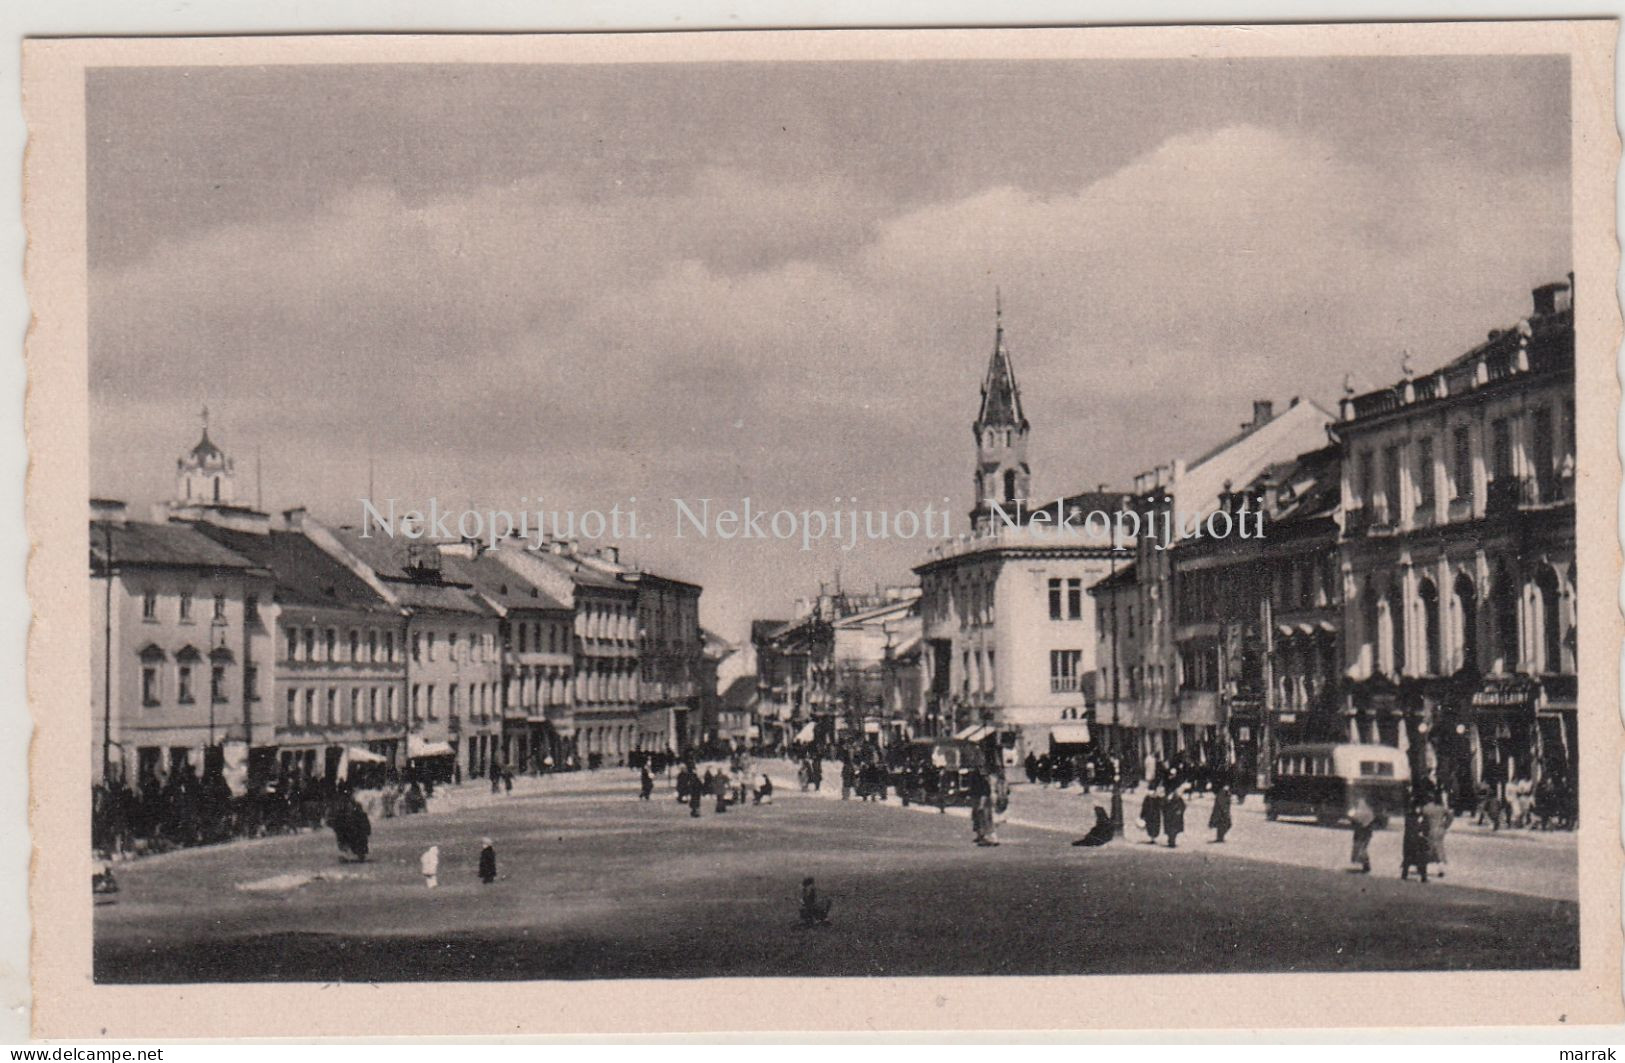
(453, 668)
(538, 706)
(606, 720)
(1141, 699)
(1008, 640)
(1458, 557)
(1258, 621)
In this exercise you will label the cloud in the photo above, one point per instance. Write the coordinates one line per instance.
(800, 338)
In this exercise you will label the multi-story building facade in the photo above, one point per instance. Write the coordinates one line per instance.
(339, 658)
(1458, 557)
(1007, 640)
(538, 705)
(604, 644)
(1139, 694)
(452, 722)
(870, 669)
(180, 653)
(670, 651)
(1258, 620)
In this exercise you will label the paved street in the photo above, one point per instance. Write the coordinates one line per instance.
(596, 884)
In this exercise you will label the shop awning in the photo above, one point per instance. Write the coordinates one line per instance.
(1070, 734)
(417, 747)
(357, 755)
(975, 732)
(806, 733)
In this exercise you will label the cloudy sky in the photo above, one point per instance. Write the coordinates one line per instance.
(719, 280)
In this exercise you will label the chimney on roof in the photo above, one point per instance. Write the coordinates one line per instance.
(612, 554)
(1263, 410)
(1552, 298)
(109, 510)
(293, 519)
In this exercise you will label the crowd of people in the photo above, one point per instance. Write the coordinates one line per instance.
(187, 809)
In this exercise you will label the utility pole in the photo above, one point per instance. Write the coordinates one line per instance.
(107, 652)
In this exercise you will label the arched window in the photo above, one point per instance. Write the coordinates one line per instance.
(1009, 485)
(217, 488)
(1505, 604)
(1467, 619)
(1393, 608)
(1433, 641)
(1551, 620)
(1371, 646)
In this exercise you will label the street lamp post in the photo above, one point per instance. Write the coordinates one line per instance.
(107, 652)
(1117, 771)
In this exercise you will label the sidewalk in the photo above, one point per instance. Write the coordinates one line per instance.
(1531, 863)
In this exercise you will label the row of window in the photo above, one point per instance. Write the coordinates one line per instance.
(334, 706)
(1452, 626)
(537, 637)
(605, 623)
(186, 606)
(186, 676)
(324, 646)
(1404, 479)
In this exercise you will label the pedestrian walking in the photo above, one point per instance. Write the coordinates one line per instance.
(429, 865)
(1414, 848)
(1151, 814)
(1100, 833)
(488, 861)
(804, 775)
(1173, 815)
(1436, 817)
(1365, 824)
(646, 783)
(817, 773)
(849, 775)
(719, 789)
(1219, 818)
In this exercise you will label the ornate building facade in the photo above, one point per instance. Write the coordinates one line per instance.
(1458, 557)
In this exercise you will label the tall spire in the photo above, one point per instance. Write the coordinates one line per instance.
(1001, 396)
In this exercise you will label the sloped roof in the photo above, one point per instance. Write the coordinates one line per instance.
(741, 693)
(392, 559)
(499, 582)
(161, 545)
(304, 573)
(1001, 395)
(1240, 459)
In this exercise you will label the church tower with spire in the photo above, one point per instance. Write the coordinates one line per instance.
(1001, 428)
(204, 476)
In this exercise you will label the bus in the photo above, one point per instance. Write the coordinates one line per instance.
(1325, 780)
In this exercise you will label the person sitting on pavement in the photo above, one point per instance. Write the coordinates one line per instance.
(814, 906)
(1100, 833)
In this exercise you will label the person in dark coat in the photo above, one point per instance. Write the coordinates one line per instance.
(1100, 833)
(849, 776)
(488, 861)
(352, 829)
(1219, 818)
(696, 792)
(1414, 849)
(1151, 814)
(1173, 816)
(814, 906)
(646, 783)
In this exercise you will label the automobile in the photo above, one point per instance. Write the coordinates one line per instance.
(1324, 781)
(937, 771)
